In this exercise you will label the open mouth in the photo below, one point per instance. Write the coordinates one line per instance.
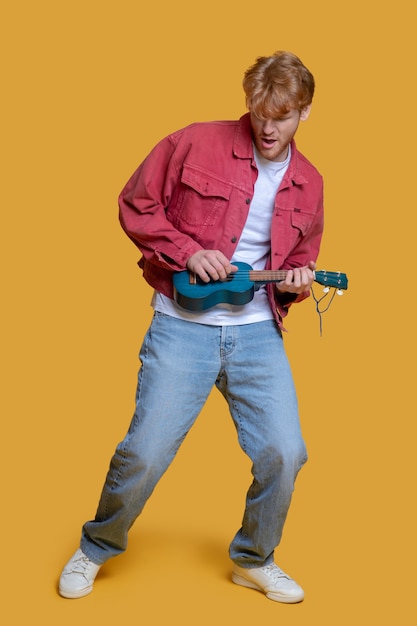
(268, 142)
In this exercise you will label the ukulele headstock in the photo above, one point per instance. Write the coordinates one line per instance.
(331, 279)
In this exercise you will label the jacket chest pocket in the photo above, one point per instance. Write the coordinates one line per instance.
(301, 220)
(201, 198)
(296, 211)
(291, 225)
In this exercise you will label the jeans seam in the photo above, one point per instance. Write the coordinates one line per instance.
(241, 430)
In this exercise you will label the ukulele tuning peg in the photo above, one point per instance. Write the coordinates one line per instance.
(339, 292)
(326, 290)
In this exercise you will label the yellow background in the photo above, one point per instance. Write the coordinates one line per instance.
(88, 87)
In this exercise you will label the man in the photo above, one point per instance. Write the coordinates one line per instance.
(206, 197)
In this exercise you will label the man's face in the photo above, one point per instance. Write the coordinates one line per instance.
(273, 135)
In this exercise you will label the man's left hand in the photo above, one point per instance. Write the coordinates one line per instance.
(298, 280)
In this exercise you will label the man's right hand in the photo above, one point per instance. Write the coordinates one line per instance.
(210, 265)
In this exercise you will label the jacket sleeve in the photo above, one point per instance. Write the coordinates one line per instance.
(142, 209)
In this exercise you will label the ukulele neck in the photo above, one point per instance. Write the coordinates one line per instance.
(256, 276)
(267, 276)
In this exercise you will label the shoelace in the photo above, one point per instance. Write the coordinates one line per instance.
(80, 566)
(275, 572)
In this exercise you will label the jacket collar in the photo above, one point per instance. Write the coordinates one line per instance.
(242, 145)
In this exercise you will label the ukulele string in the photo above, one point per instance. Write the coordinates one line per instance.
(245, 275)
(317, 301)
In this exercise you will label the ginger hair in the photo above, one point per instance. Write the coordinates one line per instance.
(276, 84)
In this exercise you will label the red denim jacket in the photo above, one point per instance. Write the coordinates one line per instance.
(193, 192)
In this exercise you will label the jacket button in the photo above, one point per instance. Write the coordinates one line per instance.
(233, 239)
(248, 200)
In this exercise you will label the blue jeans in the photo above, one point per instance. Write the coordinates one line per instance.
(181, 362)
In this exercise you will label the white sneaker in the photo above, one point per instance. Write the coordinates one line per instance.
(78, 576)
(271, 580)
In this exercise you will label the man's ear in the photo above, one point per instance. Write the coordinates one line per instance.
(305, 113)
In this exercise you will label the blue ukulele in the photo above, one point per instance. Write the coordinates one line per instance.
(191, 293)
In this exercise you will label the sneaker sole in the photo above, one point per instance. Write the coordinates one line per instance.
(239, 580)
(75, 594)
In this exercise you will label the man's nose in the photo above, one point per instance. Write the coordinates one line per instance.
(267, 127)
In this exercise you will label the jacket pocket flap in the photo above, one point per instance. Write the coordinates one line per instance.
(204, 183)
(301, 220)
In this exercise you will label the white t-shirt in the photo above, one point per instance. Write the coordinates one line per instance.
(253, 248)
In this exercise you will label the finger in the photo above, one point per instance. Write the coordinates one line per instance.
(303, 279)
(212, 269)
(210, 265)
(289, 278)
(219, 266)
